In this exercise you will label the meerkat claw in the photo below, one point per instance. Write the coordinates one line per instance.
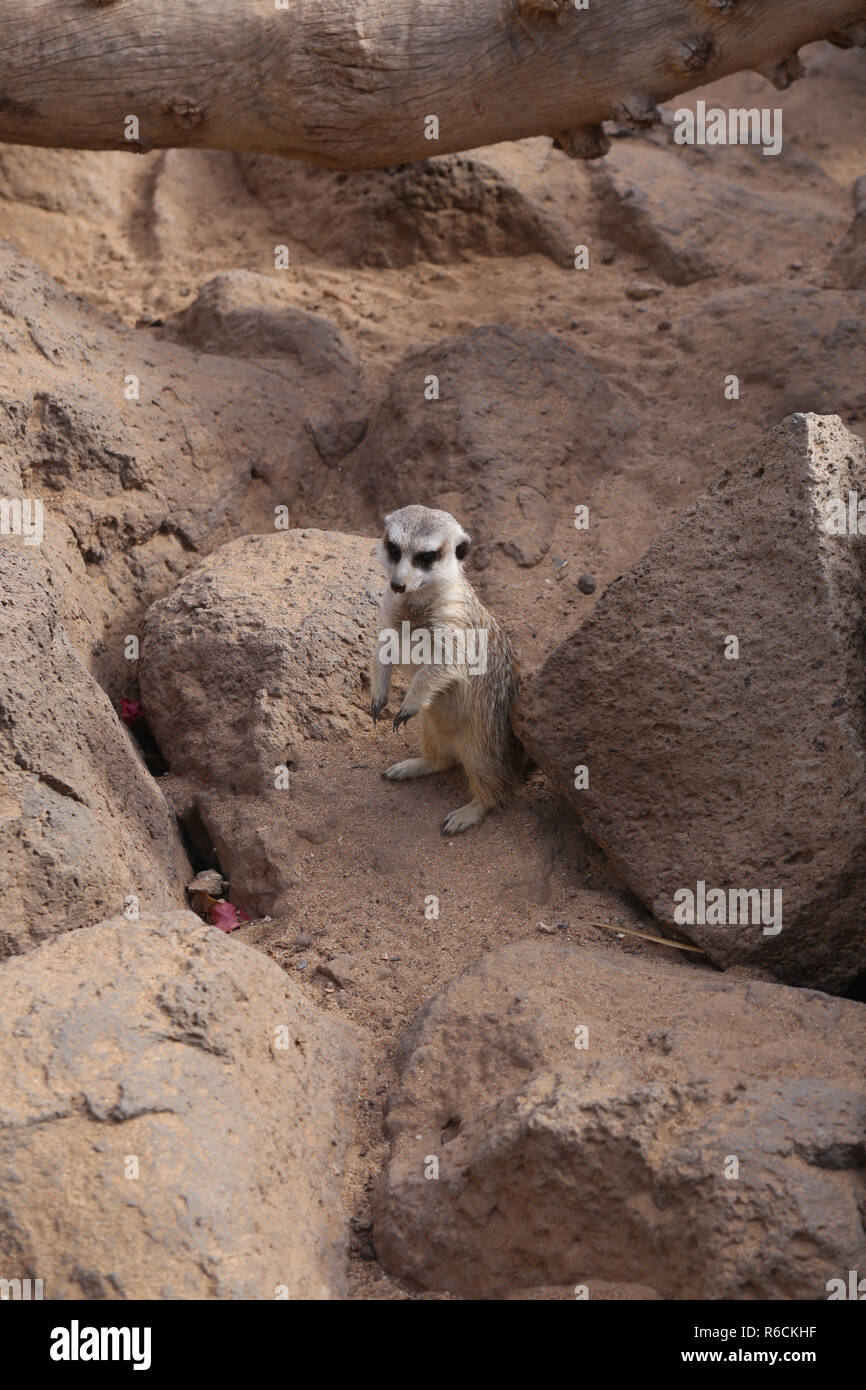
(463, 818)
(402, 718)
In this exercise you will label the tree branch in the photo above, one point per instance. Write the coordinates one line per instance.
(351, 83)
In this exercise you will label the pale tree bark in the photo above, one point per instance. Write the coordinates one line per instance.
(352, 83)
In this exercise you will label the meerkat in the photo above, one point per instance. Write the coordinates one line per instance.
(464, 679)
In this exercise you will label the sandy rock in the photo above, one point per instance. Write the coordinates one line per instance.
(692, 213)
(739, 773)
(135, 488)
(818, 357)
(564, 1165)
(257, 656)
(158, 1040)
(244, 315)
(208, 881)
(520, 417)
(504, 200)
(849, 261)
(342, 970)
(83, 825)
(258, 650)
(71, 182)
(642, 289)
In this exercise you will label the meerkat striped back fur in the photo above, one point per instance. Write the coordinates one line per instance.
(465, 685)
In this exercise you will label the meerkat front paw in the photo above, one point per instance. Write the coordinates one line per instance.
(409, 767)
(403, 717)
(376, 707)
(463, 818)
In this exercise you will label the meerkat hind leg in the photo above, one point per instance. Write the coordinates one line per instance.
(484, 796)
(463, 818)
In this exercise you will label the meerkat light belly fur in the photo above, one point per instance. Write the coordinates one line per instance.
(463, 673)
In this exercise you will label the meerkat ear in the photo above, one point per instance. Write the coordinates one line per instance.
(461, 550)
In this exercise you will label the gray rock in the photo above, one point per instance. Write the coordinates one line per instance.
(244, 315)
(520, 417)
(742, 773)
(509, 199)
(849, 260)
(692, 213)
(818, 357)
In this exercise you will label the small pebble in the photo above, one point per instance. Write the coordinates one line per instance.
(586, 584)
(643, 289)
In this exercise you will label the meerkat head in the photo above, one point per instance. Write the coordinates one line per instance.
(421, 547)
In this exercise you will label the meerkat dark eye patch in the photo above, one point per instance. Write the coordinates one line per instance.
(462, 550)
(393, 550)
(426, 559)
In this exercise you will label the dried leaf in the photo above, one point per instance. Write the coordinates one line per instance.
(227, 917)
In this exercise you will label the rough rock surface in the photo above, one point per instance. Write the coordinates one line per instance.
(159, 1043)
(743, 772)
(134, 487)
(505, 200)
(849, 260)
(83, 825)
(520, 420)
(818, 362)
(244, 315)
(565, 1164)
(256, 655)
(694, 212)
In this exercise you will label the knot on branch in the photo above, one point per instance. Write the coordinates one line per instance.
(586, 142)
(696, 53)
(637, 111)
(854, 36)
(544, 9)
(782, 74)
(184, 110)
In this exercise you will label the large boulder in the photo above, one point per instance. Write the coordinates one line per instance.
(173, 1119)
(849, 260)
(695, 212)
(703, 1136)
(521, 425)
(257, 656)
(791, 348)
(150, 452)
(83, 825)
(244, 315)
(742, 768)
(508, 199)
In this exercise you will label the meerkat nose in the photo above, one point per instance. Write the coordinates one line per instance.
(398, 588)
